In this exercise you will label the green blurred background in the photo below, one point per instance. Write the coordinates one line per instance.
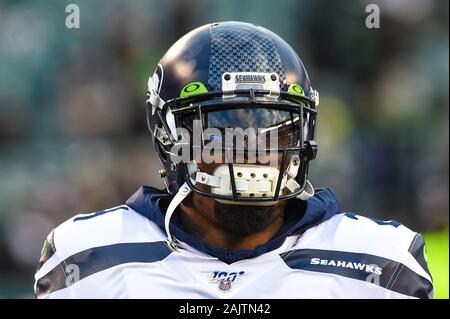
(73, 134)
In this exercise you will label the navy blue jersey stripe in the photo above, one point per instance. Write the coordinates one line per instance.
(384, 272)
(93, 260)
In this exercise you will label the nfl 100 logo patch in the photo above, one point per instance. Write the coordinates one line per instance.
(225, 280)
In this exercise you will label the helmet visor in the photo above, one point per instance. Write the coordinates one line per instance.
(245, 129)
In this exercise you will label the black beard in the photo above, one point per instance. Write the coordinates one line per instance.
(245, 220)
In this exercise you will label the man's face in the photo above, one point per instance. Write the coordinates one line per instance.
(283, 131)
(237, 219)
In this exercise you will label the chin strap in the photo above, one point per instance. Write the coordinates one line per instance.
(293, 186)
(308, 191)
(182, 193)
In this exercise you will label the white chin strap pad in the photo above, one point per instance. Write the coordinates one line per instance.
(253, 181)
(250, 180)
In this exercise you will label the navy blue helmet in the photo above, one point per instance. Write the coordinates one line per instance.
(224, 76)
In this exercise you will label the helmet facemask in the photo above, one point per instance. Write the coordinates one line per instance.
(249, 149)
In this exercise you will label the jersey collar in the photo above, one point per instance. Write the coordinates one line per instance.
(151, 202)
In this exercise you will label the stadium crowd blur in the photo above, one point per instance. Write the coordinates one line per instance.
(73, 135)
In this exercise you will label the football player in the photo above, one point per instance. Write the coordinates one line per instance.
(233, 117)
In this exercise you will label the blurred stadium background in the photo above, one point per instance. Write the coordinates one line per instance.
(73, 135)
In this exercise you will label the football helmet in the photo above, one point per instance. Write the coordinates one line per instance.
(239, 77)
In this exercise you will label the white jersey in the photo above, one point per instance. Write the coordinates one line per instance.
(121, 253)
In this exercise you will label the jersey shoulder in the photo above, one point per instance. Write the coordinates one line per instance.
(116, 225)
(360, 233)
(398, 252)
(84, 238)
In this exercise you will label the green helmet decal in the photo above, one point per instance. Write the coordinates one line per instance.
(193, 88)
(296, 89)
